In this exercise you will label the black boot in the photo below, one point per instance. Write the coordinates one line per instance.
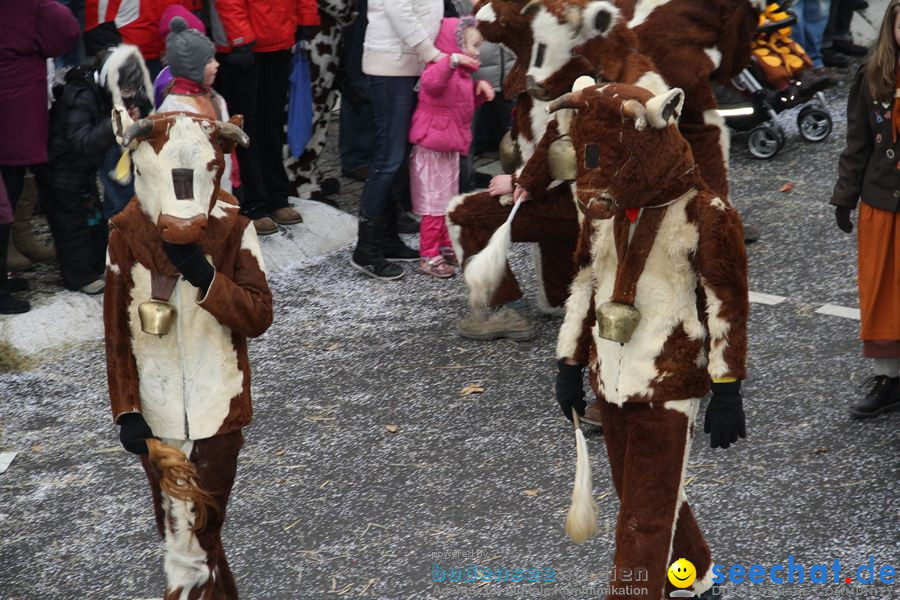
(884, 395)
(367, 257)
(392, 247)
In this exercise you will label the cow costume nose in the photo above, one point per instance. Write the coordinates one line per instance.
(177, 230)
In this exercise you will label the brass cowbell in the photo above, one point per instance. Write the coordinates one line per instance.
(510, 155)
(617, 321)
(562, 159)
(156, 316)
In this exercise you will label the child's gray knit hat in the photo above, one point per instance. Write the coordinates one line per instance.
(187, 51)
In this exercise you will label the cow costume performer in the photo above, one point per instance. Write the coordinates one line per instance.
(658, 312)
(556, 42)
(185, 288)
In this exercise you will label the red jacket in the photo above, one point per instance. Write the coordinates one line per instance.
(271, 24)
(136, 20)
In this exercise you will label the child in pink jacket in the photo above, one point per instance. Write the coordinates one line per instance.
(442, 129)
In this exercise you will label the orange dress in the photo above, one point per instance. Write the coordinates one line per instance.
(879, 281)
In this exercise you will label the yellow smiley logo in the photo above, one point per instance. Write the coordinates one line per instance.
(682, 573)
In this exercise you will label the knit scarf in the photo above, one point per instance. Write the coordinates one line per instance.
(186, 87)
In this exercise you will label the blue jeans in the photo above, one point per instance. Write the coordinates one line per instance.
(115, 195)
(393, 101)
(812, 19)
(357, 131)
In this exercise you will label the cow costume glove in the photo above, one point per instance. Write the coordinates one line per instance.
(189, 259)
(725, 415)
(570, 388)
(842, 216)
(133, 433)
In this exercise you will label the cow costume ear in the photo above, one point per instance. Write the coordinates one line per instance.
(594, 20)
(663, 107)
(231, 133)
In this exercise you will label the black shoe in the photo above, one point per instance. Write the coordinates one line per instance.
(367, 256)
(12, 306)
(849, 48)
(883, 396)
(833, 58)
(16, 284)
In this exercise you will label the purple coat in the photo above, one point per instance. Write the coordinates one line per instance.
(33, 31)
(442, 121)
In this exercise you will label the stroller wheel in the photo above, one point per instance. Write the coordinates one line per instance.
(764, 141)
(814, 123)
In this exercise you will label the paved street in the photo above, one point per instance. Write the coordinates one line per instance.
(330, 503)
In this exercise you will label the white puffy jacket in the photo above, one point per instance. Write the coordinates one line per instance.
(400, 36)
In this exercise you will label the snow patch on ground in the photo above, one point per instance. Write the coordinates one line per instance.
(68, 318)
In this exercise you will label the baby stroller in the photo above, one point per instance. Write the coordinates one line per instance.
(783, 67)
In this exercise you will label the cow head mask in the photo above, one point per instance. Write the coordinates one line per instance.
(629, 153)
(178, 164)
(502, 22)
(560, 29)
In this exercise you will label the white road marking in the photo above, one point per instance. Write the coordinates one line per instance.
(6, 459)
(770, 299)
(839, 311)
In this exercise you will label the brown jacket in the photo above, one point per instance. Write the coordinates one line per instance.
(869, 166)
(193, 382)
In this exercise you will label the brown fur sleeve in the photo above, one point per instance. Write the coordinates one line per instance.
(121, 369)
(535, 175)
(243, 303)
(722, 265)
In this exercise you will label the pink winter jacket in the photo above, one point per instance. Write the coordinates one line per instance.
(442, 120)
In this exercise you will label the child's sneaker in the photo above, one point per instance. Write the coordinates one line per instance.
(449, 256)
(436, 267)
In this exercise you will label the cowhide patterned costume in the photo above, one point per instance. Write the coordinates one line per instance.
(687, 44)
(691, 293)
(602, 42)
(323, 51)
(192, 384)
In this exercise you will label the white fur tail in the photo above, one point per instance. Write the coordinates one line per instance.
(484, 271)
(581, 521)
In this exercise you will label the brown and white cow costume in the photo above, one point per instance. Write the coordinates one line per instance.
(683, 43)
(190, 385)
(550, 220)
(656, 238)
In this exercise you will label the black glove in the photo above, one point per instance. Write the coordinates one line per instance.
(842, 216)
(725, 415)
(570, 388)
(133, 433)
(241, 56)
(189, 259)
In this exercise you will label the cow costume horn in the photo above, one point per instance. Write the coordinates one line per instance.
(140, 128)
(233, 132)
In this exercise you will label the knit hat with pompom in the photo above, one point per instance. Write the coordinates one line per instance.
(187, 51)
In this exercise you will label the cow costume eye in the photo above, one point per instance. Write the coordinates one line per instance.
(539, 56)
(183, 182)
(591, 156)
